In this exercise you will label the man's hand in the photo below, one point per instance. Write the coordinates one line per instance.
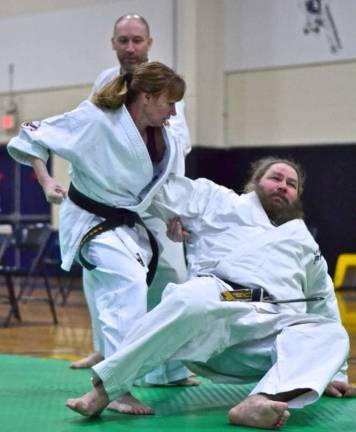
(340, 389)
(53, 191)
(176, 231)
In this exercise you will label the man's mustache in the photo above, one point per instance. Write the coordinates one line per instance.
(281, 196)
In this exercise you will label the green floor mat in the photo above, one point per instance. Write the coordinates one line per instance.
(33, 392)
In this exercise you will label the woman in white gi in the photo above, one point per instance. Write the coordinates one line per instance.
(256, 241)
(121, 153)
(132, 41)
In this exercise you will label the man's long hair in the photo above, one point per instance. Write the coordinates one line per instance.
(258, 169)
(277, 215)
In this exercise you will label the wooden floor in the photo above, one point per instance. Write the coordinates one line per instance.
(71, 339)
(37, 336)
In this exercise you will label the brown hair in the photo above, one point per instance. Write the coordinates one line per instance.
(153, 78)
(260, 167)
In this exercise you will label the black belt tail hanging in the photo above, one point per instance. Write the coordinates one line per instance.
(114, 217)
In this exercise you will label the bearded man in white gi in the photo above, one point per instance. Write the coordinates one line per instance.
(131, 41)
(295, 350)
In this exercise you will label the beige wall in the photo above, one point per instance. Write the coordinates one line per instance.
(186, 48)
(200, 60)
(210, 73)
(9, 8)
(301, 105)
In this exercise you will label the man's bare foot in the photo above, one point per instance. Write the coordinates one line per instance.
(185, 382)
(92, 403)
(127, 404)
(261, 412)
(88, 361)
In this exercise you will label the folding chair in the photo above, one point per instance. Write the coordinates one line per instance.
(31, 240)
(5, 241)
(52, 271)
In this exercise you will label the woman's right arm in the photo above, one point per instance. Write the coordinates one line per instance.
(185, 200)
(53, 191)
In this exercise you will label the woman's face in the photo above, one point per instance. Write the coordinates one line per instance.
(158, 109)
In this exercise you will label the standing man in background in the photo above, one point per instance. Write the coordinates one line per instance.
(132, 41)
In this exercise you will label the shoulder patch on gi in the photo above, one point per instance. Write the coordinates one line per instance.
(32, 126)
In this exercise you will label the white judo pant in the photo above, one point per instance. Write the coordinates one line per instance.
(116, 291)
(230, 341)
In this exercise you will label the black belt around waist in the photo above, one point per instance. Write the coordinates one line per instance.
(114, 217)
(242, 293)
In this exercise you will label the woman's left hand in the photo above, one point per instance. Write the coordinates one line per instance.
(176, 231)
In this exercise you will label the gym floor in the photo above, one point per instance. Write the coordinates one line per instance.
(27, 348)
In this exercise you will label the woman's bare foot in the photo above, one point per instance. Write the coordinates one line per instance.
(261, 412)
(92, 403)
(185, 382)
(88, 361)
(127, 404)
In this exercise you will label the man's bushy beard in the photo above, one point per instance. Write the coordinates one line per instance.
(279, 215)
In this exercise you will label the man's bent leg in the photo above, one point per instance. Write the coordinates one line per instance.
(306, 356)
(302, 354)
(186, 312)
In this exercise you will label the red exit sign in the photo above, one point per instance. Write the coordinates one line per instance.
(8, 122)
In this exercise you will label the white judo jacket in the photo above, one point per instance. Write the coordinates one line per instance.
(109, 164)
(177, 124)
(232, 238)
